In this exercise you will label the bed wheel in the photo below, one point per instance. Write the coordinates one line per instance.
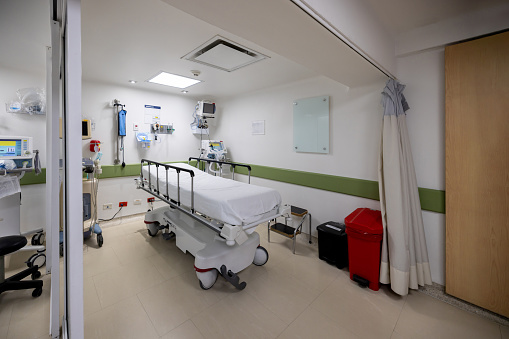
(100, 240)
(207, 279)
(152, 234)
(261, 256)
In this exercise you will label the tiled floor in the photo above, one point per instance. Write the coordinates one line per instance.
(137, 286)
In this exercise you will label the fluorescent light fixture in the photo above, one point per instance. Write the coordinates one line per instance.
(173, 80)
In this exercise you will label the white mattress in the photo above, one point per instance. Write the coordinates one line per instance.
(229, 201)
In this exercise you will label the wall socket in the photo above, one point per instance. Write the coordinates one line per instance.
(107, 206)
(137, 201)
(122, 204)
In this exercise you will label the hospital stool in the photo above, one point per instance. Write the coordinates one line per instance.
(289, 231)
(11, 244)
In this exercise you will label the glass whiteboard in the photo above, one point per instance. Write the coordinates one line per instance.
(311, 125)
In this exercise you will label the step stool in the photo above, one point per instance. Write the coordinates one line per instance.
(288, 231)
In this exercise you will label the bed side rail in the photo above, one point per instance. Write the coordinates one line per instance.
(221, 163)
(166, 167)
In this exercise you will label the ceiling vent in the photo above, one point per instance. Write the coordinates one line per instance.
(224, 54)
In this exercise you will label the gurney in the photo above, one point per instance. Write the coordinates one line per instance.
(211, 217)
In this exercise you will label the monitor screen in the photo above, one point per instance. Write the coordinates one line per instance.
(10, 148)
(216, 146)
(208, 108)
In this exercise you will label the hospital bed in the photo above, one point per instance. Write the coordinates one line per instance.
(212, 217)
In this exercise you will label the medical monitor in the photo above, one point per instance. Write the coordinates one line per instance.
(206, 109)
(18, 149)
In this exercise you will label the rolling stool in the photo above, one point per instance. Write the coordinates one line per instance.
(11, 244)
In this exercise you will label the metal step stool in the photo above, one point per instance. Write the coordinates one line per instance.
(289, 231)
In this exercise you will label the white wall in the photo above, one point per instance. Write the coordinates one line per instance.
(176, 109)
(355, 116)
(32, 196)
(355, 122)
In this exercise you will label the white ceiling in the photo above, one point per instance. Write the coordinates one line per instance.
(133, 40)
(399, 16)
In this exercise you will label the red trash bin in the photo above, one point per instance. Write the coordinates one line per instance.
(364, 229)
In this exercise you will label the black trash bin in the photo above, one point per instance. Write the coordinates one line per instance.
(333, 244)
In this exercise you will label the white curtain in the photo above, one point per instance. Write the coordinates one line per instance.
(404, 260)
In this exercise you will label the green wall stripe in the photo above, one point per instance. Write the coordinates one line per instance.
(431, 200)
(30, 178)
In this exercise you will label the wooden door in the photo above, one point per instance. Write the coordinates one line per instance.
(477, 172)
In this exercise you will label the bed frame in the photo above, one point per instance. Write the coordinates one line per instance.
(233, 253)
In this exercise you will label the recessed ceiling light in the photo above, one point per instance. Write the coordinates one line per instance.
(184, 91)
(133, 81)
(173, 80)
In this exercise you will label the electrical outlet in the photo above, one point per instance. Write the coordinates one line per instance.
(122, 204)
(137, 201)
(151, 199)
(107, 206)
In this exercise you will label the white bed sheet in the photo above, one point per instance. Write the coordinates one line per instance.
(229, 201)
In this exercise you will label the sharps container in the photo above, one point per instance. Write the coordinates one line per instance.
(332, 243)
(364, 229)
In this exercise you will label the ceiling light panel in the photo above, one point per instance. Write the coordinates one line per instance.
(173, 80)
(224, 54)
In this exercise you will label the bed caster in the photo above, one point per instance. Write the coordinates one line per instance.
(100, 240)
(152, 234)
(152, 228)
(38, 239)
(37, 292)
(38, 259)
(207, 279)
(261, 256)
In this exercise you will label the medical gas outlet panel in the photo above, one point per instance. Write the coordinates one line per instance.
(162, 128)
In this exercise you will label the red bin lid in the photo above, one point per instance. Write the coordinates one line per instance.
(365, 220)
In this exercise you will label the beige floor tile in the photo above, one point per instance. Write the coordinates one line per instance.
(504, 330)
(111, 235)
(173, 262)
(124, 320)
(312, 324)
(425, 317)
(5, 308)
(396, 335)
(238, 316)
(133, 227)
(283, 294)
(366, 313)
(126, 281)
(175, 301)
(33, 327)
(3, 331)
(24, 306)
(185, 331)
(100, 261)
(132, 248)
(310, 270)
(91, 303)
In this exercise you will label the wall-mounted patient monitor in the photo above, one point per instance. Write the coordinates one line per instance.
(86, 130)
(18, 149)
(206, 109)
